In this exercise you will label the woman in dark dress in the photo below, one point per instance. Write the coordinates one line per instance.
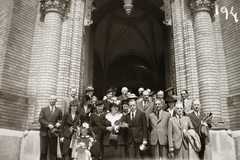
(113, 148)
(70, 121)
(95, 122)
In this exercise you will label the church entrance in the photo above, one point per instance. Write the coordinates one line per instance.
(129, 50)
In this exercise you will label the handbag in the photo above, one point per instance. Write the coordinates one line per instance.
(113, 137)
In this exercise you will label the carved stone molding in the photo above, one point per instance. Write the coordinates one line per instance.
(202, 5)
(58, 6)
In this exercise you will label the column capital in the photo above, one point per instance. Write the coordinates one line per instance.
(202, 5)
(58, 6)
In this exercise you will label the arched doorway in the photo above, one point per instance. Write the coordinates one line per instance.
(129, 50)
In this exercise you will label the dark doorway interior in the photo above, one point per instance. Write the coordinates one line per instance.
(129, 50)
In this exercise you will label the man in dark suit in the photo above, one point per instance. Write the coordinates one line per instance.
(67, 100)
(158, 124)
(124, 94)
(49, 118)
(196, 118)
(137, 131)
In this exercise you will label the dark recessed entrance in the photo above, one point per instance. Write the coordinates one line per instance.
(129, 50)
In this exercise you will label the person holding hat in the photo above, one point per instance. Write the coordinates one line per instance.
(70, 121)
(49, 118)
(170, 101)
(177, 128)
(197, 119)
(113, 141)
(95, 122)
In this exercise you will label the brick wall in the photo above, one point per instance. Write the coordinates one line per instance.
(230, 35)
(17, 45)
(5, 23)
(184, 49)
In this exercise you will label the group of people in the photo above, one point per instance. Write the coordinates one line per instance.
(148, 126)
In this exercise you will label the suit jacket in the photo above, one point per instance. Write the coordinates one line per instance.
(137, 130)
(174, 113)
(121, 97)
(46, 118)
(159, 128)
(68, 122)
(187, 105)
(175, 131)
(147, 110)
(196, 122)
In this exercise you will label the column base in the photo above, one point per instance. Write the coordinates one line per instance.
(218, 125)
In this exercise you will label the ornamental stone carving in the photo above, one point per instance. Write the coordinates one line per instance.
(53, 6)
(202, 5)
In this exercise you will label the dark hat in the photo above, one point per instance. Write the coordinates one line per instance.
(114, 88)
(109, 90)
(132, 96)
(99, 102)
(89, 88)
(74, 102)
(168, 89)
(54, 132)
(152, 93)
(170, 99)
(125, 101)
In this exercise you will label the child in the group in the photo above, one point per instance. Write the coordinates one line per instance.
(82, 143)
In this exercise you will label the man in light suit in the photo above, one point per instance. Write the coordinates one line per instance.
(67, 100)
(137, 130)
(187, 103)
(158, 124)
(177, 127)
(146, 105)
(196, 118)
(49, 118)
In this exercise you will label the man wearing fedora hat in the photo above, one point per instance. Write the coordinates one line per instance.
(49, 118)
(109, 100)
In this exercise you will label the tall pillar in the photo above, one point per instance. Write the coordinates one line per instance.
(209, 94)
(52, 12)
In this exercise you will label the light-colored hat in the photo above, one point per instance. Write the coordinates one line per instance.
(132, 96)
(89, 88)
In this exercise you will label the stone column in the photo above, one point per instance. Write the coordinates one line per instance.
(52, 12)
(209, 94)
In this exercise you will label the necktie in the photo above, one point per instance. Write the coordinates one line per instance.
(132, 115)
(145, 104)
(183, 103)
(179, 118)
